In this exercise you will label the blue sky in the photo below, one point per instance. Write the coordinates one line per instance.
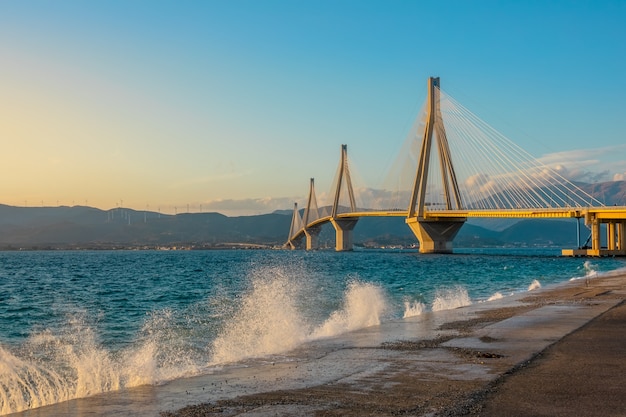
(233, 105)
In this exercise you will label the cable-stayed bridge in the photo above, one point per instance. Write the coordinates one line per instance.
(452, 167)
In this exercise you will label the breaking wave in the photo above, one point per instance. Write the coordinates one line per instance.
(270, 320)
(447, 299)
(51, 368)
(495, 296)
(277, 313)
(535, 285)
(412, 309)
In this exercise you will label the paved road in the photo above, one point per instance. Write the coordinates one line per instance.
(584, 374)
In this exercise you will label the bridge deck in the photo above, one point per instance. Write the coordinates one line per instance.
(600, 213)
(614, 217)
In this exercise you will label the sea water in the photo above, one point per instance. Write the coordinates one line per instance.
(78, 323)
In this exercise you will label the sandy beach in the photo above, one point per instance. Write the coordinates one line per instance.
(553, 351)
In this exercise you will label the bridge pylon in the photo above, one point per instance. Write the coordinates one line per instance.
(311, 212)
(344, 225)
(296, 224)
(435, 235)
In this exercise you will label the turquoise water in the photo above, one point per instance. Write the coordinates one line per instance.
(74, 324)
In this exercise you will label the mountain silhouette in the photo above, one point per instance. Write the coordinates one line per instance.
(91, 228)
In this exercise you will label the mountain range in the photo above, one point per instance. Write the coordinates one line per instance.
(81, 227)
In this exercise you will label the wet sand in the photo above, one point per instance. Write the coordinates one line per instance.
(553, 351)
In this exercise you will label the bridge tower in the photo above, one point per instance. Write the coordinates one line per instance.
(435, 235)
(296, 224)
(343, 226)
(311, 233)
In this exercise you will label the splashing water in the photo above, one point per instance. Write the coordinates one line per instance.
(160, 354)
(495, 296)
(267, 322)
(451, 298)
(590, 270)
(147, 318)
(52, 368)
(412, 309)
(364, 304)
(268, 319)
(535, 285)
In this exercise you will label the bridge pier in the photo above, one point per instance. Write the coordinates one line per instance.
(435, 236)
(595, 235)
(615, 237)
(343, 233)
(312, 237)
(615, 244)
(611, 243)
(615, 229)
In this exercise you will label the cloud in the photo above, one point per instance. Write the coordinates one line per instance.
(586, 165)
(477, 180)
(249, 206)
(370, 198)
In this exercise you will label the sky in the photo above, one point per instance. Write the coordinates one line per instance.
(231, 106)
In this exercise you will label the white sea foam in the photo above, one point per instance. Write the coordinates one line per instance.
(270, 318)
(364, 304)
(160, 354)
(448, 299)
(51, 368)
(269, 321)
(284, 306)
(413, 308)
(535, 285)
(495, 296)
(590, 270)
(54, 368)
(266, 322)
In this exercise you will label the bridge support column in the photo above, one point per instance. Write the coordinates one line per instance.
(435, 236)
(595, 236)
(312, 237)
(615, 237)
(343, 233)
(610, 236)
(621, 234)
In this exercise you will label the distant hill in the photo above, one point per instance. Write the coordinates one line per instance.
(612, 193)
(78, 226)
(88, 227)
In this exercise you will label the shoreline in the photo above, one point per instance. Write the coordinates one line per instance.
(458, 372)
(441, 363)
